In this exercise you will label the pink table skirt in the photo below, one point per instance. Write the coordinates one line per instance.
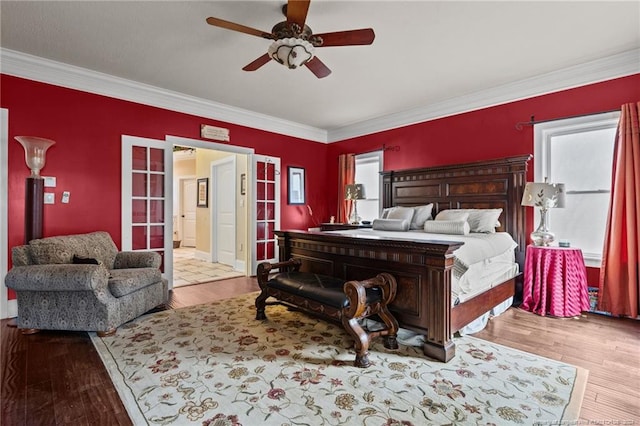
(555, 282)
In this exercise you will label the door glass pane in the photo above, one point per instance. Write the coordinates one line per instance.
(271, 172)
(156, 239)
(156, 187)
(139, 237)
(261, 230)
(271, 191)
(260, 251)
(139, 184)
(157, 211)
(139, 158)
(139, 211)
(260, 191)
(156, 157)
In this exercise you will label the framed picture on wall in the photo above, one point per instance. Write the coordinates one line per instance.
(203, 192)
(295, 185)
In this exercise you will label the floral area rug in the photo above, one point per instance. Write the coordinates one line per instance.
(215, 364)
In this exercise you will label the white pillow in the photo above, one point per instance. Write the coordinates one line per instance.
(455, 227)
(484, 220)
(420, 215)
(453, 214)
(402, 213)
(390, 224)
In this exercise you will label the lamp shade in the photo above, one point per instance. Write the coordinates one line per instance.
(35, 149)
(544, 195)
(291, 52)
(354, 192)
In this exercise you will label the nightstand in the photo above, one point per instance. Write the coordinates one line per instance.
(555, 282)
(341, 226)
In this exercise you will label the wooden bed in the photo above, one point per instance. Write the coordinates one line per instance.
(423, 268)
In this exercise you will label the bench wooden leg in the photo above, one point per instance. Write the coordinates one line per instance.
(260, 305)
(361, 339)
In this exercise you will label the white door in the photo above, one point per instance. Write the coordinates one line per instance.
(223, 209)
(147, 194)
(266, 211)
(188, 190)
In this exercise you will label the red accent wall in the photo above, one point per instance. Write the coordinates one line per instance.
(487, 133)
(86, 158)
(87, 129)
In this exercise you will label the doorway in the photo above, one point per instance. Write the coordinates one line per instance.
(196, 259)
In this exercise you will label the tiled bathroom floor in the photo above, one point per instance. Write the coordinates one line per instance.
(188, 270)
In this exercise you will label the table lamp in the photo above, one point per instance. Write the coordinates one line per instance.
(545, 196)
(354, 192)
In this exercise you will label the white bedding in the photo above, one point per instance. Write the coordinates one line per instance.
(483, 261)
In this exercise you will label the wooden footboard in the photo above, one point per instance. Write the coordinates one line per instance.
(422, 271)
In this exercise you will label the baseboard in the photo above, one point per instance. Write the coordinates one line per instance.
(240, 266)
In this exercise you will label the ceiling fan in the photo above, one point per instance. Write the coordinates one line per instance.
(294, 42)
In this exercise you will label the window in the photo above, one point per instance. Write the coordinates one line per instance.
(368, 167)
(579, 153)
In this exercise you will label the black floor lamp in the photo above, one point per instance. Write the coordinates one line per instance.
(35, 149)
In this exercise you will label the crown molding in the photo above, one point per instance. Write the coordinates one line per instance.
(31, 67)
(620, 65)
(47, 71)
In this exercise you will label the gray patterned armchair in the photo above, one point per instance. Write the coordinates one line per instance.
(81, 282)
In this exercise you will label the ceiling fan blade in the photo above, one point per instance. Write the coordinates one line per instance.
(297, 11)
(318, 67)
(257, 63)
(237, 27)
(347, 38)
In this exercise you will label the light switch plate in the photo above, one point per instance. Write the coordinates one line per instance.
(49, 198)
(49, 181)
(65, 197)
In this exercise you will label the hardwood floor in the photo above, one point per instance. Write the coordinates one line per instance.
(57, 378)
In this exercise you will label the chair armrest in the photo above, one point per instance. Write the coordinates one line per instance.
(265, 268)
(137, 259)
(58, 277)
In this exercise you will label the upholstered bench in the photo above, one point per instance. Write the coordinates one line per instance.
(334, 299)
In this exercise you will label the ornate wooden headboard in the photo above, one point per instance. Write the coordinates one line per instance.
(479, 185)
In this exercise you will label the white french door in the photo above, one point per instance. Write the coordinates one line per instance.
(147, 192)
(266, 187)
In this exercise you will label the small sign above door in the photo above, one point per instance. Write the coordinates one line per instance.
(215, 133)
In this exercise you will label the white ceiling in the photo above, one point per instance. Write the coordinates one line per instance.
(425, 52)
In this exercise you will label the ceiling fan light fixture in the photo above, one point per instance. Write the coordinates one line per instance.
(291, 52)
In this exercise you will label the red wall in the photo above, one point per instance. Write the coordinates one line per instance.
(87, 129)
(86, 159)
(487, 133)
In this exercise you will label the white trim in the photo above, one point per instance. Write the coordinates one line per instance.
(60, 74)
(197, 143)
(241, 266)
(35, 68)
(542, 134)
(621, 65)
(249, 152)
(4, 214)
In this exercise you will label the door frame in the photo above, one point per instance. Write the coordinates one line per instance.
(8, 308)
(249, 152)
(213, 211)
